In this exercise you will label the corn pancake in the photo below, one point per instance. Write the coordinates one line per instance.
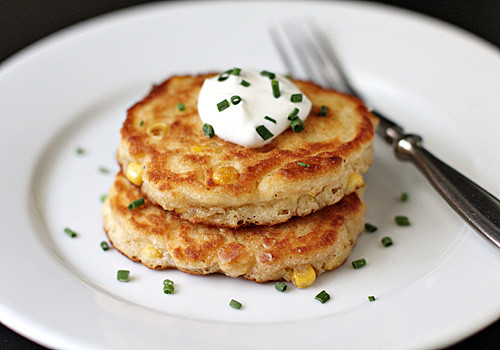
(160, 239)
(208, 180)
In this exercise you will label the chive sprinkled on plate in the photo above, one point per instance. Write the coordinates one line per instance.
(222, 105)
(280, 286)
(103, 170)
(136, 204)
(79, 151)
(404, 197)
(103, 198)
(264, 132)
(323, 297)
(181, 106)
(235, 304)
(276, 88)
(357, 264)
(386, 241)
(370, 228)
(304, 165)
(245, 83)
(371, 298)
(70, 232)
(270, 119)
(293, 114)
(208, 130)
(296, 98)
(123, 275)
(323, 111)
(297, 125)
(235, 99)
(104, 245)
(168, 286)
(270, 75)
(402, 220)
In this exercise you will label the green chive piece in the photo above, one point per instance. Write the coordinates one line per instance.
(235, 304)
(168, 286)
(371, 298)
(222, 105)
(208, 130)
(235, 99)
(404, 197)
(370, 228)
(103, 198)
(293, 114)
(123, 275)
(280, 286)
(323, 297)
(141, 123)
(296, 98)
(357, 264)
(245, 83)
(264, 132)
(224, 75)
(79, 150)
(103, 170)
(181, 107)
(270, 75)
(270, 119)
(297, 124)
(276, 88)
(323, 111)
(70, 232)
(402, 220)
(136, 204)
(386, 241)
(304, 165)
(236, 71)
(104, 245)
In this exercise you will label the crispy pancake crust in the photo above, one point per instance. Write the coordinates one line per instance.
(160, 239)
(269, 186)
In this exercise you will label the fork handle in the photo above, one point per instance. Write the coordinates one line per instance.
(478, 207)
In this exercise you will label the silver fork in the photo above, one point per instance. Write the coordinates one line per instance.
(312, 50)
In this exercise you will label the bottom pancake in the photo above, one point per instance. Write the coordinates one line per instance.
(160, 240)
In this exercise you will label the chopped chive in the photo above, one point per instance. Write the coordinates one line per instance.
(235, 99)
(296, 98)
(136, 204)
(304, 165)
(181, 107)
(270, 119)
(280, 286)
(104, 245)
(224, 75)
(236, 71)
(208, 130)
(270, 75)
(276, 88)
(168, 286)
(370, 228)
(357, 264)
(103, 170)
(103, 198)
(297, 124)
(293, 113)
(80, 150)
(245, 83)
(402, 220)
(264, 132)
(323, 297)
(404, 197)
(141, 123)
(222, 105)
(323, 111)
(386, 241)
(70, 232)
(235, 304)
(123, 275)
(371, 298)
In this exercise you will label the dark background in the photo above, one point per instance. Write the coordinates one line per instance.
(23, 22)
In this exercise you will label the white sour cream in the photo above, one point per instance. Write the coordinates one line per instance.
(239, 122)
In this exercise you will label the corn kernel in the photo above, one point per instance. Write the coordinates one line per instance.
(151, 252)
(303, 277)
(157, 130)
(225, 174)
(134, 173)
(198, 148)
(354, 182)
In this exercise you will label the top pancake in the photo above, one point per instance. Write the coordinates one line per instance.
(208, 180)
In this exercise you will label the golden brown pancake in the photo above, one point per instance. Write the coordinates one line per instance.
(211, 181)
(160, 239)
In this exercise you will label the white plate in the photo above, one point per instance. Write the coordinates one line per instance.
(437, 284)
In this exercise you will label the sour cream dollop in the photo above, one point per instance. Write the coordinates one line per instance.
(242, 107)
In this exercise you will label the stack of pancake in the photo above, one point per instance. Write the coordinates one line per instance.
(212, 206)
